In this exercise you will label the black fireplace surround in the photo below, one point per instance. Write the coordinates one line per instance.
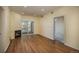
(17, 33)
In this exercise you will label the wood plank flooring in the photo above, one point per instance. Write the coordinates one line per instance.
(37, 44)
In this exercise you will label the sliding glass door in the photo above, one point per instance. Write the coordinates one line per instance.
(27, 27)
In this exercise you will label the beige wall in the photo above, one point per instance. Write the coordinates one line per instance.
(1, 41)
(15, 24)
(4, 40)
(47, 26)
(0, 18)
(36, 21)
(71, 19)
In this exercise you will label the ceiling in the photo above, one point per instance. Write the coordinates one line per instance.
(33, 10)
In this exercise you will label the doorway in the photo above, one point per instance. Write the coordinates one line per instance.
(27, 27)
(59, 28)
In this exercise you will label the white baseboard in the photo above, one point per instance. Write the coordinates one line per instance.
(71, 46)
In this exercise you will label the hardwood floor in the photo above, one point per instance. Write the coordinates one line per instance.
(37, 44)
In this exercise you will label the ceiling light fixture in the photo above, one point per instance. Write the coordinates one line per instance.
(42, 9)
(34, 15)
(51, 12)
(25, 6)
(22, 12)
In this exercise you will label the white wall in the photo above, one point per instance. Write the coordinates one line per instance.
(71, 19)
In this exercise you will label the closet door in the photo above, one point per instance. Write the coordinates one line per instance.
(59, 28)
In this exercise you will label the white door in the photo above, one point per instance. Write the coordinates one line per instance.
(59, 28)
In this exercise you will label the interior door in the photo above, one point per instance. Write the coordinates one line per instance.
(59, 28)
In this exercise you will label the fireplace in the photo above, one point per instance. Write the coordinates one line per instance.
(17, 33)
